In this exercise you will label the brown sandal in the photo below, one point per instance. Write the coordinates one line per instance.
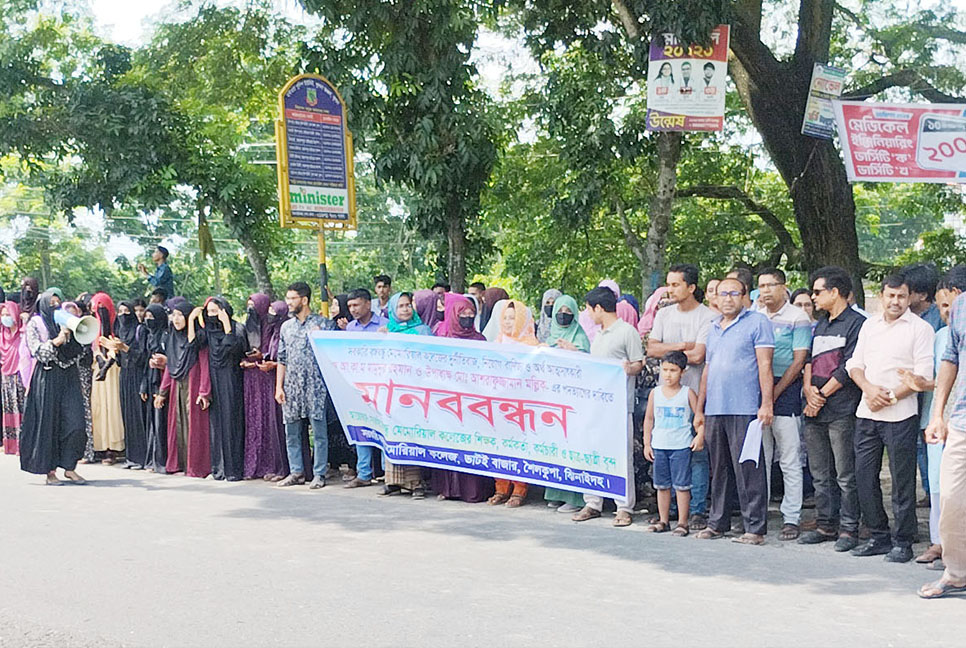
(708, 533)
(789, 532)
(681, 531)
(749, 539)
(499, 498)
(515, 501)
(657, 527)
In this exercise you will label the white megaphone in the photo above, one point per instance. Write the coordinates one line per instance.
(85, 329)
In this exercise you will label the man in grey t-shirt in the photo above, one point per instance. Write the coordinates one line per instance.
(684, 326)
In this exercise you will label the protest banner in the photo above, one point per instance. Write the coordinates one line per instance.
(902, 142)
(532, 414)
(827, 83)
(686, 84)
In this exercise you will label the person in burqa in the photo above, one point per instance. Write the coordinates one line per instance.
(226, 343)
(186, 389)
(52, 435)
(156, 325)
(265, 455)
(29, 292)
(86, 371)
(131, 355)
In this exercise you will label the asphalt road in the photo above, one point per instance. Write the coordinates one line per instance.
(137, 559)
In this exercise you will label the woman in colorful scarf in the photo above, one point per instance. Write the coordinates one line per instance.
(459, 323)
(404, 319)
(13, 368)
(566, 333)
(515, 327)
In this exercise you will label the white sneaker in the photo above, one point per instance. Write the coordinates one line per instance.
(553, 503)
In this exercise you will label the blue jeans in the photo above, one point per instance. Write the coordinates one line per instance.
(293, 445)
(700, 481)
(364, 462)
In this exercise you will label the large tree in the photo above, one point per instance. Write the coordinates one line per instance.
(405, 71)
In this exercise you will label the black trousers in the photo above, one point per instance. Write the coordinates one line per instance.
(871, 437)
(730, 480)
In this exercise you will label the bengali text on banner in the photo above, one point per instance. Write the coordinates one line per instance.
(532, 414)
(902, 142)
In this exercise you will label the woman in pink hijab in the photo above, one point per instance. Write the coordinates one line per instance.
(13, 374)
(650, 310)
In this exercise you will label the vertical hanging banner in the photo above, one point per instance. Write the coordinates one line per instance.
(827, 83)
(686, 84)
(313, 148)
(902, 142)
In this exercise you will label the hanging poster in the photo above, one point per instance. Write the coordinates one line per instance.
(826, 85)
(686, 84)
(902, 142)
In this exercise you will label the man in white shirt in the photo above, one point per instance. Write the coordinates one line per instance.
(684, 327)
(888, 417)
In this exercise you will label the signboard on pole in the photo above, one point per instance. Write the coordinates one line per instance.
(313, 147)
(902, 142)
(827, 83)
(686, 84)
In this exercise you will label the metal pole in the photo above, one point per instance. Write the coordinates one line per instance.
(323, 273)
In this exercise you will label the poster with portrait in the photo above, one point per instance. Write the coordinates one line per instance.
(686, 84)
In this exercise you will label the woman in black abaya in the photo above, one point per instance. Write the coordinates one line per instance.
(227, 343)
(156, 323)
(53, 432)
(134, 363)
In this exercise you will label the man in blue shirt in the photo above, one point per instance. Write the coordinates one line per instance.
(736, 388)
(360, 307)
(163, 278)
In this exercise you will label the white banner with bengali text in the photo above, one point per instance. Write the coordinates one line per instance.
(532, 414)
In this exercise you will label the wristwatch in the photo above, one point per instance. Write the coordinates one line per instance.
(892, 398)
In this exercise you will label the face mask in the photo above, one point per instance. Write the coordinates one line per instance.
(272, 317)
(467, 321)
(252, 312)
(565, 319)
(548, 310)
(7, 321)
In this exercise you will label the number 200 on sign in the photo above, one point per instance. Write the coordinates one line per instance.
(942, 143)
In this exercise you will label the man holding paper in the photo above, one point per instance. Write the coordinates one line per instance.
(736, 391)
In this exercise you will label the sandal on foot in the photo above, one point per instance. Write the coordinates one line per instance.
(419, 493)
(681, 531)
(499, 498)
(930, 554)
(789, 532)
(749, 539)
(623, 519)
(657, 527)
(585, 514)
(707, 533)
(936, 565)
(939, 589)
(515, 501)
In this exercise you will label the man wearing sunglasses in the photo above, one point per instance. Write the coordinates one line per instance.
(830, 401)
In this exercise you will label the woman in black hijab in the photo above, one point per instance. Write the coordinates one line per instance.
(53, 434)
(133, 361)
(341, 318)
(227, 343)
(156, 325)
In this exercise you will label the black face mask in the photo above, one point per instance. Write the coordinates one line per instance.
(548, 310)
(271, 317)
(252, 312)
(211, 322)
(565, 319)
(467, 321)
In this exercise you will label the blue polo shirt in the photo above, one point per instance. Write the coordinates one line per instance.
(375, 323)
(732, 365)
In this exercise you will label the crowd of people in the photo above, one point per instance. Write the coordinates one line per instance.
(175, 388)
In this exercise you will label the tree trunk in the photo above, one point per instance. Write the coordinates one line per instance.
(659, 216)
(456, 243)
(775, 94)
(256, 258)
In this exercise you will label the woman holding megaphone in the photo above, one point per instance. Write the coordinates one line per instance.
(53, 433)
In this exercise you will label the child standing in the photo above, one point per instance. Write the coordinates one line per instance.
(668, 441)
